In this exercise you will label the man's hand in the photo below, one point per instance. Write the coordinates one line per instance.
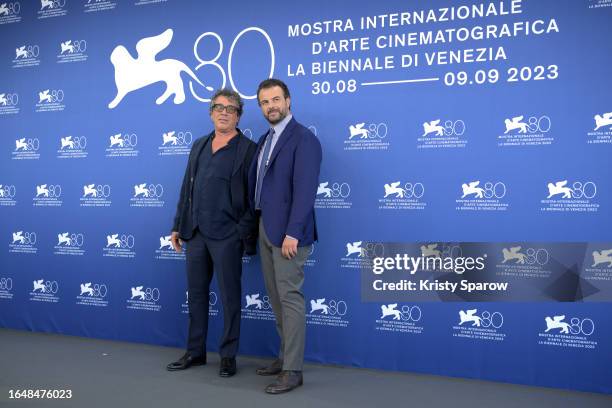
(176, 241)
(289, 249)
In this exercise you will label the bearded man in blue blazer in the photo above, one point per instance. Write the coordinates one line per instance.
(283, 181)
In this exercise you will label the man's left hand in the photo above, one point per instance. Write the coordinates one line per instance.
(289, 249)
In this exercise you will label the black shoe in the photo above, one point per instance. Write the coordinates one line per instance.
(186, 361)
(228, 367)
(273, 369)
(286, 381)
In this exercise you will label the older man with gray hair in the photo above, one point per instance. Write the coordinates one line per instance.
(215, 220)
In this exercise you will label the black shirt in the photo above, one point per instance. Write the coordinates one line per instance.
(212, 201)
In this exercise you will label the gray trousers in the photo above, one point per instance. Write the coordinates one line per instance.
(284, 278)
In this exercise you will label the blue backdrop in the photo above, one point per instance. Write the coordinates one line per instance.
(441, 122)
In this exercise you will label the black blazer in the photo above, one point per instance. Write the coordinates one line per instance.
(247, 225)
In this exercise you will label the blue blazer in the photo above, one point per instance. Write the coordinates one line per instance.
(289, 186)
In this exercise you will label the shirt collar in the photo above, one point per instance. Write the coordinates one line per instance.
(234, 139)
(280, 126)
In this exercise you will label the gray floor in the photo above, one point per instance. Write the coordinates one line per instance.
(116, 374)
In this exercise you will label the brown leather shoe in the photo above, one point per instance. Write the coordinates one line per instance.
(273, 369)
(285, 382)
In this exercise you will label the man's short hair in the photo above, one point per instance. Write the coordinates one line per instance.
(229, 94)
(270, 83)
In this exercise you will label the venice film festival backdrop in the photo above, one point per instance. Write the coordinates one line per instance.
(450, 130)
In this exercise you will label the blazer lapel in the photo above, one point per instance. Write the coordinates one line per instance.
(282, 140)
(241, 153)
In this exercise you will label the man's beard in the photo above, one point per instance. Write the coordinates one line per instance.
(281, 115)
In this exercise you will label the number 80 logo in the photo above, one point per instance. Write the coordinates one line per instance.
(7, 191)
(10, 100)
(11, 9)
(213, 62)
(6, 283)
